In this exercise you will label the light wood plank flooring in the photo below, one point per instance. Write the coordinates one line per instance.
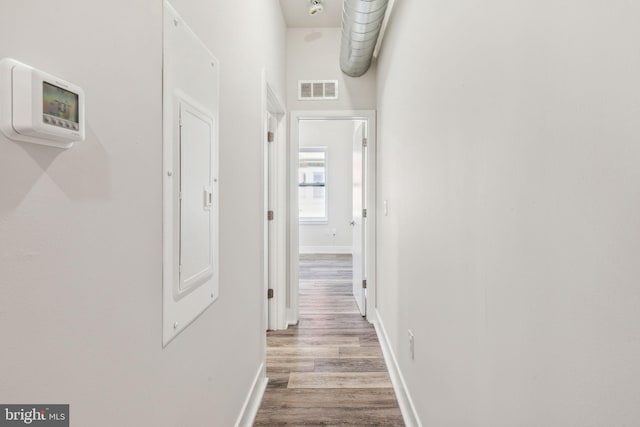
(328, 370)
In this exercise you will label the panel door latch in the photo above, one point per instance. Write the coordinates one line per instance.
(208, 198)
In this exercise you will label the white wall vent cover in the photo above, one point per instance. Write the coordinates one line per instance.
(313, 90)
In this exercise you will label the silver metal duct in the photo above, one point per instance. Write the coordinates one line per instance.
(361, 23)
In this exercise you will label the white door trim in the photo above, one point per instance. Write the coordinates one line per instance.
(370, 203)
(275, 308)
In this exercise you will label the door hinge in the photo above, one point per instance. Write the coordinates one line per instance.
(269, 293)
(364, 213)
(365, 142)
(364, 284)
(270, 215)
(270, 137)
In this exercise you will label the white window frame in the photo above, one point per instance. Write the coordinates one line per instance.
(325, 150)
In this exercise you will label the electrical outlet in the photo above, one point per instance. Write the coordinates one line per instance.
(411, 345)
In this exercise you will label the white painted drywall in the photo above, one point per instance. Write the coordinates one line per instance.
(337, 136)
(509, 156)
(81, 230)
(314, 54)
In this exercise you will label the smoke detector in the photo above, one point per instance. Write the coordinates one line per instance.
(315, 8)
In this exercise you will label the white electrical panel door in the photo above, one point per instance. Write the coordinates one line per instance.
(190, 121)
(196, 198)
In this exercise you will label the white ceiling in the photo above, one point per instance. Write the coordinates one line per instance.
(296, 14)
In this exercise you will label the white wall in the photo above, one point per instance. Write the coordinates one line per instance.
(509, 156)
(80, 230)
(337, 136)
(314, 54)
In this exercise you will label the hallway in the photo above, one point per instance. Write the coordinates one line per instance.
(328, 370)
(163, 163)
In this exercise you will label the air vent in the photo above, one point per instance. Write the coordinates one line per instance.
(313, 90)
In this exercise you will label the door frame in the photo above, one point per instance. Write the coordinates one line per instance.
(274, 266)
(370, 204)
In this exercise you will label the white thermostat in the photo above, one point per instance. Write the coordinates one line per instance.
(38, 107)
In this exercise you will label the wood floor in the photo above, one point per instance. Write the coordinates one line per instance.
(328, 370)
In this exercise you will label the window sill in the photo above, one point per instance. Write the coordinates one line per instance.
(320, 221)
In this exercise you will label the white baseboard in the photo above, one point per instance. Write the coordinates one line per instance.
(325, 249)
(407, 408)
(254, 398)
(292, 320)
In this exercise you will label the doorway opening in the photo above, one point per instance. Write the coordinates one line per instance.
(332, 201)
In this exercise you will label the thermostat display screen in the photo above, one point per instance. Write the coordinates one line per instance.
(59, 106)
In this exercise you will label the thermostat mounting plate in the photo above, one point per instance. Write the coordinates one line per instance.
(38, 107)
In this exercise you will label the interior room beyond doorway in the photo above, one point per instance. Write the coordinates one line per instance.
(325, 185)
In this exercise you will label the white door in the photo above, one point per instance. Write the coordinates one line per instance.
(358, 221)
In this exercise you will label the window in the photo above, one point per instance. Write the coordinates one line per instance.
(312, 184)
